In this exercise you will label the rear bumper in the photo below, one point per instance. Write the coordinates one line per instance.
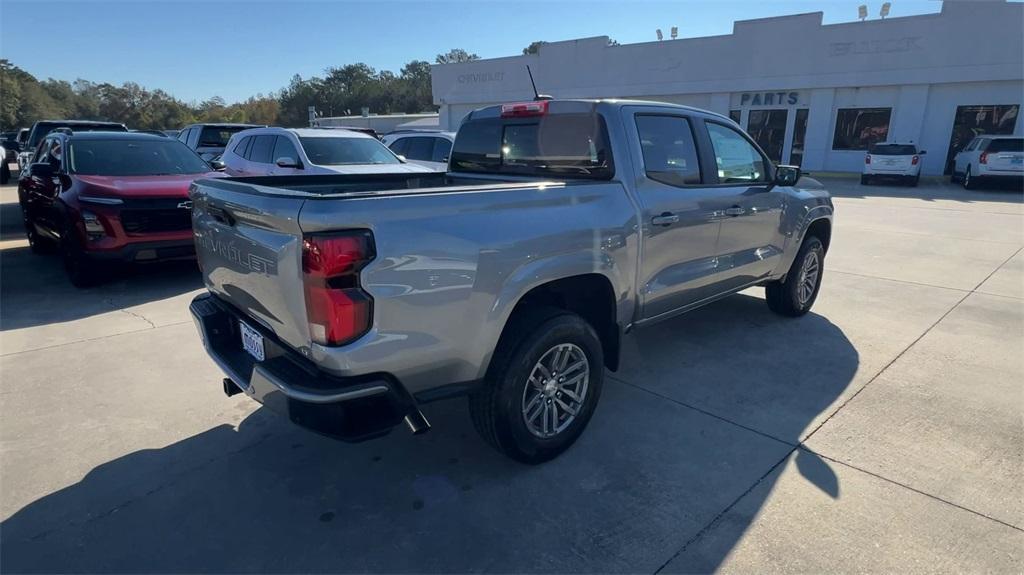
(350, 409)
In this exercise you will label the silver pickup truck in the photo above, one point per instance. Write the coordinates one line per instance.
(344, 302)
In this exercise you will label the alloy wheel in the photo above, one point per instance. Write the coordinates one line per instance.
(556, 390)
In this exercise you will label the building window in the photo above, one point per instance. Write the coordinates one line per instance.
(858, 128)
(768, 128)
(734, 115)
(971, 121)
(796, 154)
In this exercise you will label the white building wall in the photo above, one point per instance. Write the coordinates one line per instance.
(922, 67)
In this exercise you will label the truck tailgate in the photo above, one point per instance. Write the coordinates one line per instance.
(249, 247)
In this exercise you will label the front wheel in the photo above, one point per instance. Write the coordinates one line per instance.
(81, 271)
(542, 388)
(795, 295)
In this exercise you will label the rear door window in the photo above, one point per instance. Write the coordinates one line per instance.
(442, 149)
(261, 149)
(670, 154)
(420, 148)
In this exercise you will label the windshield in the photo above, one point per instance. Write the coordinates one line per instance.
(217, 137)
(346, 151)
(892, 150)
(562, 144)
(133, 158)
(1006, 145)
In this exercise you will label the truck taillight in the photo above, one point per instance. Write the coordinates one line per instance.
(984, 158)
(914, 160)
(524, 109)
(338, 309)
(867, 159)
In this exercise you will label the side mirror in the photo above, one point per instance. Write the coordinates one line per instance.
(922, 152)
(787, 175)
(401, 158)
(286, 162)
(42, 170)
(218, 165)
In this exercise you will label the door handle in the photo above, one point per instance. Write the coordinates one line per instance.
(735, 211)
(665, 219)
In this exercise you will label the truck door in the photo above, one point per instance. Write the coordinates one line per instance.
(751, 238)
(680, 212)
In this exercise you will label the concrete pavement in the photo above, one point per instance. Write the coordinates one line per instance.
(882, 432)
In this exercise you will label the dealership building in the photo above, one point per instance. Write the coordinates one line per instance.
(810, 94)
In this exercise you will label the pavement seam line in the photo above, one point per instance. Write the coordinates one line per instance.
(922, 284)
(702, 411)
(909, 346)
(801, 445)
(908, 487)
(110, 302)
(56, 345)
(1013, 242)
(697, 536)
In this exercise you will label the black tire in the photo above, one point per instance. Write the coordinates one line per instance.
(968, 182)
(865, 179)
(785, 297)
(5, 173)
(497, 408)
(39, 244)
(82, 272)
(915, 180)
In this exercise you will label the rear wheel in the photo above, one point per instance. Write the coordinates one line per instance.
(915, 180)
(865, 179)
(969, 182)
(795, 295)
(543, 386)
(5, 172)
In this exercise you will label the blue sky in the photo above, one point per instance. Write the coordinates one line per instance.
(234, 49)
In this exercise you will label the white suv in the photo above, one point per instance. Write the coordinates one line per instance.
(892, 160)
(989, 158)
(295, 151)
(430, 149)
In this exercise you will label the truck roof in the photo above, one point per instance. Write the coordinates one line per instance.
(609, 102)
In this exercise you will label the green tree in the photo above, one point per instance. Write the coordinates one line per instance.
(534, 47)
(454, 56)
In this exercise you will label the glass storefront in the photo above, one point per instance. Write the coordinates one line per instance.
(971, 121)
(768, 128)
(796, 154)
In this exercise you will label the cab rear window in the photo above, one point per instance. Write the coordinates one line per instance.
(564, 145)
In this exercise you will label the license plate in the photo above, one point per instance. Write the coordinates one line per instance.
(252, 341)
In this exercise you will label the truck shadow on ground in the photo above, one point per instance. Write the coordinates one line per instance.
(35, 289)
(711, 402)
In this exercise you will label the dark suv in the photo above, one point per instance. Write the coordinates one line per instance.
(104, 197)
(43, 127)
(209, 140)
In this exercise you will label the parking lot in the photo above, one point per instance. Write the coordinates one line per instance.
(880, 433)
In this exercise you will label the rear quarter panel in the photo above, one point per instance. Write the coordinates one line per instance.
(451, 266)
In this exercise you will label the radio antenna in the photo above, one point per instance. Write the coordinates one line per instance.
(536, 95)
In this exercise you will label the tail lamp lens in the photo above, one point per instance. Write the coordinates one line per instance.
(867, 159)
(914, 160)
(984, 158)
(338, 309)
